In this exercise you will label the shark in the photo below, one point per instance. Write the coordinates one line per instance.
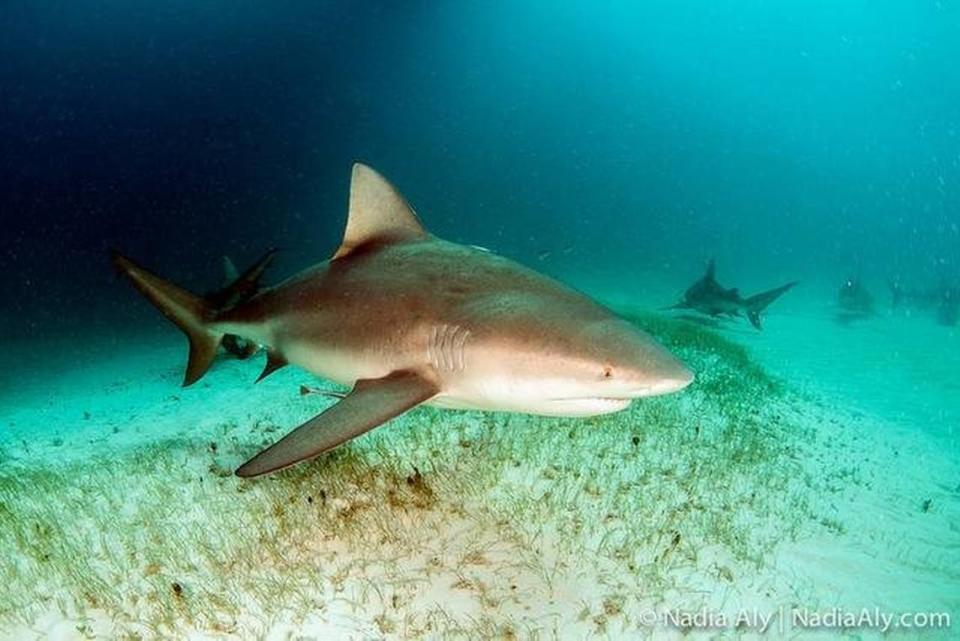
(708, 297)
(854, 301)
(405, 318)
(946, 300)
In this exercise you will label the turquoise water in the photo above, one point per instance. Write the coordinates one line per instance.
(618, 148)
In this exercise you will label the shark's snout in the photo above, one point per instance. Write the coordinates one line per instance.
(663, 374)
(640, 366)
(675, 381)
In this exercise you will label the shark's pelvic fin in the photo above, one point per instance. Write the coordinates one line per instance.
(274, 362)
(759, 302)
(187, 311)
(371, 403)
(378, 213)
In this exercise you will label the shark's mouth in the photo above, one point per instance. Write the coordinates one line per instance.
(587, 406)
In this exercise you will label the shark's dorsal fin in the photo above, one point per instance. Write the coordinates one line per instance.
(378, 213)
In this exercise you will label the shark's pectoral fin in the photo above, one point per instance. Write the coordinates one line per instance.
(371, 403)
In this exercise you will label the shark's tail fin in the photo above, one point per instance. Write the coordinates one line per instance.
(189, 312)
(759, 302)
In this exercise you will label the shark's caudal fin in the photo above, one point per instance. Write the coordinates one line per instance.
(188, 311)
(759, 302)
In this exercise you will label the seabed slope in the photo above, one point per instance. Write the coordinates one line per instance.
(738, 493)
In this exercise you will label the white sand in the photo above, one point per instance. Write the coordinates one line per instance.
(566, 537)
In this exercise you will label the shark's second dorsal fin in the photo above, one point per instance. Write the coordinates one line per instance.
(378, 213)
(230, 272)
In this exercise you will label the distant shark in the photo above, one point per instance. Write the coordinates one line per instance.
(854, 301)
(406, 318)
(707, 296)
(946, 300)
(901, 296)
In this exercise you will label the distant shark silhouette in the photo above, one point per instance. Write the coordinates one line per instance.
(901, 296)
(854, 301)
(946, 300)
(708, 297)
(407, 318)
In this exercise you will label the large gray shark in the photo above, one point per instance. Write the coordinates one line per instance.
(707, 296)
(406, 318)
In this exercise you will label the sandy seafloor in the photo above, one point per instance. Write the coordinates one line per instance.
(816, 470)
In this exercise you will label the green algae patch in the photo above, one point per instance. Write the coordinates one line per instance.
(463, 524)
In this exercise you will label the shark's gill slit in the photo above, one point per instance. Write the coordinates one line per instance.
(448, 332)
(462, 335)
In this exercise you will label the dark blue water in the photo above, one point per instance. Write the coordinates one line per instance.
(790, 140)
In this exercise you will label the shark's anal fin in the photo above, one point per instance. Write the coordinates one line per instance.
(371, 403)
(274, 362)
(378, 213)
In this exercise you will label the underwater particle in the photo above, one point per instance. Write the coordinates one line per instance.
(57, 442)
(310, 499)
(213, 446)
(86, 416)
(926, 505)
(177, 589)
(635, 440)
